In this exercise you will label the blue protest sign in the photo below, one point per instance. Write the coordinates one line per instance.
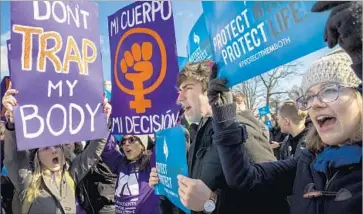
(264, 110)
(268, 123)
(107, 94)
(253, 37)
(171, 160)
(199, 46)
(181, 62)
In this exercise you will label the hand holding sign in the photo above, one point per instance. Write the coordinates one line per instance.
(344, 26)
(9, 102)
(218, 91)
(193, 192)
(154, 179)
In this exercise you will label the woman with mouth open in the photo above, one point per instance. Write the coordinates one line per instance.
(42, 177)
(132, 165)
(327, 176)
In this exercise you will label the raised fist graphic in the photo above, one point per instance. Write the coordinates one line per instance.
(142, 69)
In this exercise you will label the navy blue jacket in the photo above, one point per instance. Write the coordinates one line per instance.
(294, 176)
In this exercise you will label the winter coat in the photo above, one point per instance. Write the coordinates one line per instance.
(96, 191)
(51, 199)
(292, 146)
(257, 144)
(204, 164)
(289, 177)
(276, 134)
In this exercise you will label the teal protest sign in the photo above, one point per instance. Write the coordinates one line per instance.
(250, 38)
(171, 160)
(199, 46)
(264, 110)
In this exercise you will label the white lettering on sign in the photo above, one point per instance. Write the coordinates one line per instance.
(31, 113)
(144, 123)
(141, 14)
(60, 12)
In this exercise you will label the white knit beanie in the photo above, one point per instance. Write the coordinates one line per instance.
(335, 68)
(144, 139)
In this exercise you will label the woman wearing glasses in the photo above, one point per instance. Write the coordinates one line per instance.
(133, 166)
(327, 176)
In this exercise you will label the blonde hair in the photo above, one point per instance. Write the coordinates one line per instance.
(314, 142)
(289, 110)
(2, 128)
(33, 190)
(34, 187)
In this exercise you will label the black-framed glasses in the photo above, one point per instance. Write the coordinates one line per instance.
(131, 140)
(328, 94)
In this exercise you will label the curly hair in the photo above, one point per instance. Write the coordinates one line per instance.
(197, 71)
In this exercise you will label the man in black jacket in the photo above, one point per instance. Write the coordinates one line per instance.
(292, 121)
(96, 191)
(211, 193)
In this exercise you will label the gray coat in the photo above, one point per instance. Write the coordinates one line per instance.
(257, 144)
(51, 199)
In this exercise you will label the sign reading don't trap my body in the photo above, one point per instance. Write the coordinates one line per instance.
(144, 68)
(56, 67)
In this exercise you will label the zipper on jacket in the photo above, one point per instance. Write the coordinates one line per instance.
(328, 181)
(327, 184)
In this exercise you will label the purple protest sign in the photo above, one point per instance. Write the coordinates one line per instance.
(56, 67)
(8, 48)
(144, 68)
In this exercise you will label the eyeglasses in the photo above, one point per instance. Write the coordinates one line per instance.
(131, 140)
(328, 94)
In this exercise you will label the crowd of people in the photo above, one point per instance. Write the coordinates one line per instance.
(309, 162)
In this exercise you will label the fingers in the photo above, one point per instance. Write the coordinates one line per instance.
(322, 6)
(153, 179)
(213, 73)
(183, 182)
(11, 92)
(331, 34)
(182, 196)
(218, 85)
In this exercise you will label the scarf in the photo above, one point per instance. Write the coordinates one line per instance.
(336, 157)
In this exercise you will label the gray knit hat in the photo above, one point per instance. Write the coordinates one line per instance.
(335, 68)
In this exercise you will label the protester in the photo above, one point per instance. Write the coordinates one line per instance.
(204, 166)
(42, 177)
(276, 136)
(133, 168)
(292, 121)
(7, 188)
(96, 190)
(258, 136)
(327, 176)
(275, 133)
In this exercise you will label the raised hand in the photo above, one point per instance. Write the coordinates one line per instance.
(9, 102)
(344, 27)
(154, 179)
(218, 91)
